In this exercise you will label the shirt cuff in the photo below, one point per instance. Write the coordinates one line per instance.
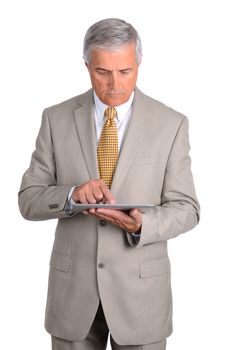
(69, 205)
(70, 194)
(135, 236)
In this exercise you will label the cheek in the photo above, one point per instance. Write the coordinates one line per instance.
(98, 84)
(129, 85)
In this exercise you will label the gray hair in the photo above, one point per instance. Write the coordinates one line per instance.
(110, 34)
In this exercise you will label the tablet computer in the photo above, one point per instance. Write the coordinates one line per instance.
(85, 206)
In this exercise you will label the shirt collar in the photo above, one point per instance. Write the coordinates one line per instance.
(122, 110)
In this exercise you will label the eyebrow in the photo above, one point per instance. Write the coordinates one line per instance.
(103, 69)
(108, 70)
(125, 69)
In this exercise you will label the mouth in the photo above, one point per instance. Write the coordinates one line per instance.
(115, 94)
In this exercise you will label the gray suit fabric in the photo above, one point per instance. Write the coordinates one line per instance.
(91, 261)
(97, 339)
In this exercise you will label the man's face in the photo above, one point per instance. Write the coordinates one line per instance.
(113, 74)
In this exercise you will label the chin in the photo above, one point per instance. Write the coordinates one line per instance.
(115, 100)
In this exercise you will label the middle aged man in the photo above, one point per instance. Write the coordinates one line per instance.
(110, 269)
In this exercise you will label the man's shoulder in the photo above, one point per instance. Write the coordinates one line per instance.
(158, 109)
(70, 104)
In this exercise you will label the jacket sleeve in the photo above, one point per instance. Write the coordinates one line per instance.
(179, 211)
(40, 197)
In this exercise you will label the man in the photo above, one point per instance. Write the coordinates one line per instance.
(109, 269)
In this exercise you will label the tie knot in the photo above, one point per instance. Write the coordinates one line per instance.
(110, 114)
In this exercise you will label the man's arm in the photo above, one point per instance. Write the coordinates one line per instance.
(179, 211)
(40, 198)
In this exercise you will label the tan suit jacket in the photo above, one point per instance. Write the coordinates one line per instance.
(92, 261)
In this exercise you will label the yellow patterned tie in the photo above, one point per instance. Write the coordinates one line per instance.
(107, 151)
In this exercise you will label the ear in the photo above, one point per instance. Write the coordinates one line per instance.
(87, 66)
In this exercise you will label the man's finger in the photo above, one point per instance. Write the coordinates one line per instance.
(98, 193)
(90, 197)
(108, 195)
(79, 196)
(135, 214)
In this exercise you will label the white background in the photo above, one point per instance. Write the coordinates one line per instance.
(187, 65)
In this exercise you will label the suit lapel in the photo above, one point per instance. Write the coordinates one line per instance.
(132, 140)
(84, 119)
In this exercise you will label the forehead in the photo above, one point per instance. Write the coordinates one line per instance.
(122, 55)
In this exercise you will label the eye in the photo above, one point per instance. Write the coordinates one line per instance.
(102, 71)
(125, 71)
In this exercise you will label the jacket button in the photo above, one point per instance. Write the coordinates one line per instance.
(100, 265)
(103, 223)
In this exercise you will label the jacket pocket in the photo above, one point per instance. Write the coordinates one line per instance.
(60, 261)
(151, 268)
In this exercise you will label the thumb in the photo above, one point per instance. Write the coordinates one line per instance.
(134, 214)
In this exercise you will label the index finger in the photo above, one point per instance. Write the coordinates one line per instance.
(108, 195)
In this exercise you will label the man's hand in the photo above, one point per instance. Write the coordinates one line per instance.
(96, 191)
(93, 191)
(130, 222)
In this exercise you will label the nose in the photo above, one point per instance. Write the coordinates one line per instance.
(113, 81)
